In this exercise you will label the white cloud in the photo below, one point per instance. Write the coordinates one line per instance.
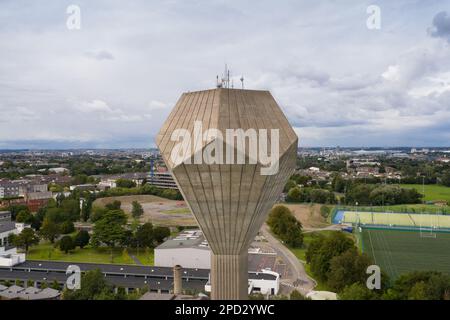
(392, 73)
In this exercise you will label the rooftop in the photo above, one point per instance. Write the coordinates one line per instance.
(186, 239)
(30, 293)
(6, 226)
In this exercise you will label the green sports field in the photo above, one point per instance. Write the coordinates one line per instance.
(397, 219)
(397, 252)
(432, 192)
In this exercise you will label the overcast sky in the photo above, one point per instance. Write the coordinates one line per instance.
(113, 82)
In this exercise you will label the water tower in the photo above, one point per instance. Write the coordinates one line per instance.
(225, 176)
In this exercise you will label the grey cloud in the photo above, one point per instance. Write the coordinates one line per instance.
(441, 26)
(99, 55)
(327, 77)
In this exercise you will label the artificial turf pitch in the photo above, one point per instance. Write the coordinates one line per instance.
(397, 252)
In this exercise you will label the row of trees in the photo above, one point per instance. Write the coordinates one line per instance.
(110, 228)
(366, 194)
(297, 194)
(145, 189)
(283, 223)
(417, 285)
(355, 192)
(335, 261)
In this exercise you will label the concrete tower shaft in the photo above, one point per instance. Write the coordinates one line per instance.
(229, 199)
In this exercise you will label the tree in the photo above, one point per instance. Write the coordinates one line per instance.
(71, 209)
(110, 229)
(97, 213)
(125, 183)
(115, 205)
(171, 194)
(24, 216)
(357, 291)
(322, 250)
(50, 230)
(338, 183)
(348, 268)
(86, 209)
(66, 244)
(16, 208)
(67, 227)
(445, 179)
(289, 185)
(286, 226)
(82, 238)
(324, 211)
(25, 239)
(38, 219)
(296, 295)
(160, 233)
(297, 194)
(94, 287)
(144, 235)
(419, 285)
(137, 210)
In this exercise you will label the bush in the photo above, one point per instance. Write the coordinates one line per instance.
(66, 244)
(160, 233)
(82, 239)
(67, 227)
(125, 183)
(325, 211)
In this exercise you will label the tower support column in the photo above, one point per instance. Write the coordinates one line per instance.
(229, 276)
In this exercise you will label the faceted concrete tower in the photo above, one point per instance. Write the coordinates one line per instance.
(229, 198)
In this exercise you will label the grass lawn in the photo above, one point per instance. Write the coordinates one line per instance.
(398, 252)
(433, 192)
(46, 251)
(177, 211)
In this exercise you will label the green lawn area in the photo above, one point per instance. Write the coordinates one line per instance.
(398, 252)
(46, 251)
(433, 192)
(177, 211)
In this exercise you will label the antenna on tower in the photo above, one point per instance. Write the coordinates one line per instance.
(242, 81)
(218, 84)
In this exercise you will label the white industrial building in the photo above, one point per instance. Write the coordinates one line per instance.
(190, 249)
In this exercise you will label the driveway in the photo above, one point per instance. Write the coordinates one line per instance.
(299, 279)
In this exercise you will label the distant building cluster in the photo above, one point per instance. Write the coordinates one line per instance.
(33, 193)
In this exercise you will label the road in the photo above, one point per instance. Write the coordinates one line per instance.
(300, 279)
(333, 227)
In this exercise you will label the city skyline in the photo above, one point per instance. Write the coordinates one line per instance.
(111, 83)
